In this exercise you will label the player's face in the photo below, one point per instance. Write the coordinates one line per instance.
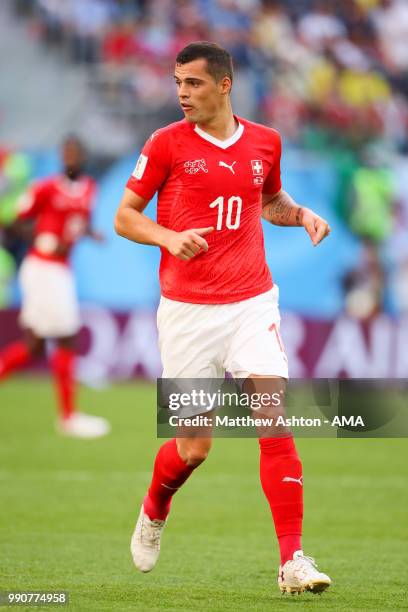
(200, 96)
(73, 158)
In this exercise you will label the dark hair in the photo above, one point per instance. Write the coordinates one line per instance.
(72, 139)
(219, 61)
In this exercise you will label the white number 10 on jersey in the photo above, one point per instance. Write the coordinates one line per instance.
(234, 206)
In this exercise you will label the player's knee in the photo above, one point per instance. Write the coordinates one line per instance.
(36, 347)
(194, 454)
(67, 342)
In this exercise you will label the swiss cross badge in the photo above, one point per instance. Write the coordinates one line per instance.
(257, 167)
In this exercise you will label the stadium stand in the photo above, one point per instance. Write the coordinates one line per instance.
(315, 63)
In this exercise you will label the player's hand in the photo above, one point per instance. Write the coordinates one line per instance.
(316, 226)
(186, 245)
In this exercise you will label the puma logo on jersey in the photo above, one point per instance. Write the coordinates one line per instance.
(224, 165)
(192, 167)
(290, 479)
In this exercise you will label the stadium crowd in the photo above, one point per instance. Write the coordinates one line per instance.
(339, 66)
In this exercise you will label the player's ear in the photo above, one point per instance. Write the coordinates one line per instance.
(225, 85)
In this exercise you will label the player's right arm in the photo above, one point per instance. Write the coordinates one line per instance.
(29, 206)
(151, 172)
(133, 224)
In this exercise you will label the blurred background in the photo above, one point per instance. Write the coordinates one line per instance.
(332, 77)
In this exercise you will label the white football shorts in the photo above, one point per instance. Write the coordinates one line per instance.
(205, 340)
(49, 303)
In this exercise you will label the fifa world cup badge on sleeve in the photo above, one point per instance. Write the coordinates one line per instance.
(140, 166)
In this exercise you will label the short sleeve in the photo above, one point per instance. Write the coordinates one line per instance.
(272, 183)
(152, 167)
(31, 202)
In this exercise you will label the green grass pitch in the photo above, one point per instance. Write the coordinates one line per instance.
(68, 508)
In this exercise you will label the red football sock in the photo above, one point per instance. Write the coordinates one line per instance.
(62, 363)
(13, 357)
(169, 473)
(282, 483)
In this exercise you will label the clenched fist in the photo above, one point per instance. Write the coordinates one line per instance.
(316, 226)
(186, 245)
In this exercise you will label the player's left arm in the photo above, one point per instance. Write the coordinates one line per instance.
(89, 230)
(281, 209)
(94, 234)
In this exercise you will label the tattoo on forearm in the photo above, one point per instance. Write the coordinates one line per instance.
(284, 211)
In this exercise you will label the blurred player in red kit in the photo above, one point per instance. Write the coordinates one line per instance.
(60, 209)
(216, 175)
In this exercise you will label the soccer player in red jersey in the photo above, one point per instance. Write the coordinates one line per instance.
(216, 175)
(60, 208)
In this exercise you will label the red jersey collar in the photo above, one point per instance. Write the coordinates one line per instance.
(222, 144)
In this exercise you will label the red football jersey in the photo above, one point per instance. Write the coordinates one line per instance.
(61, 209)
(203, 182)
